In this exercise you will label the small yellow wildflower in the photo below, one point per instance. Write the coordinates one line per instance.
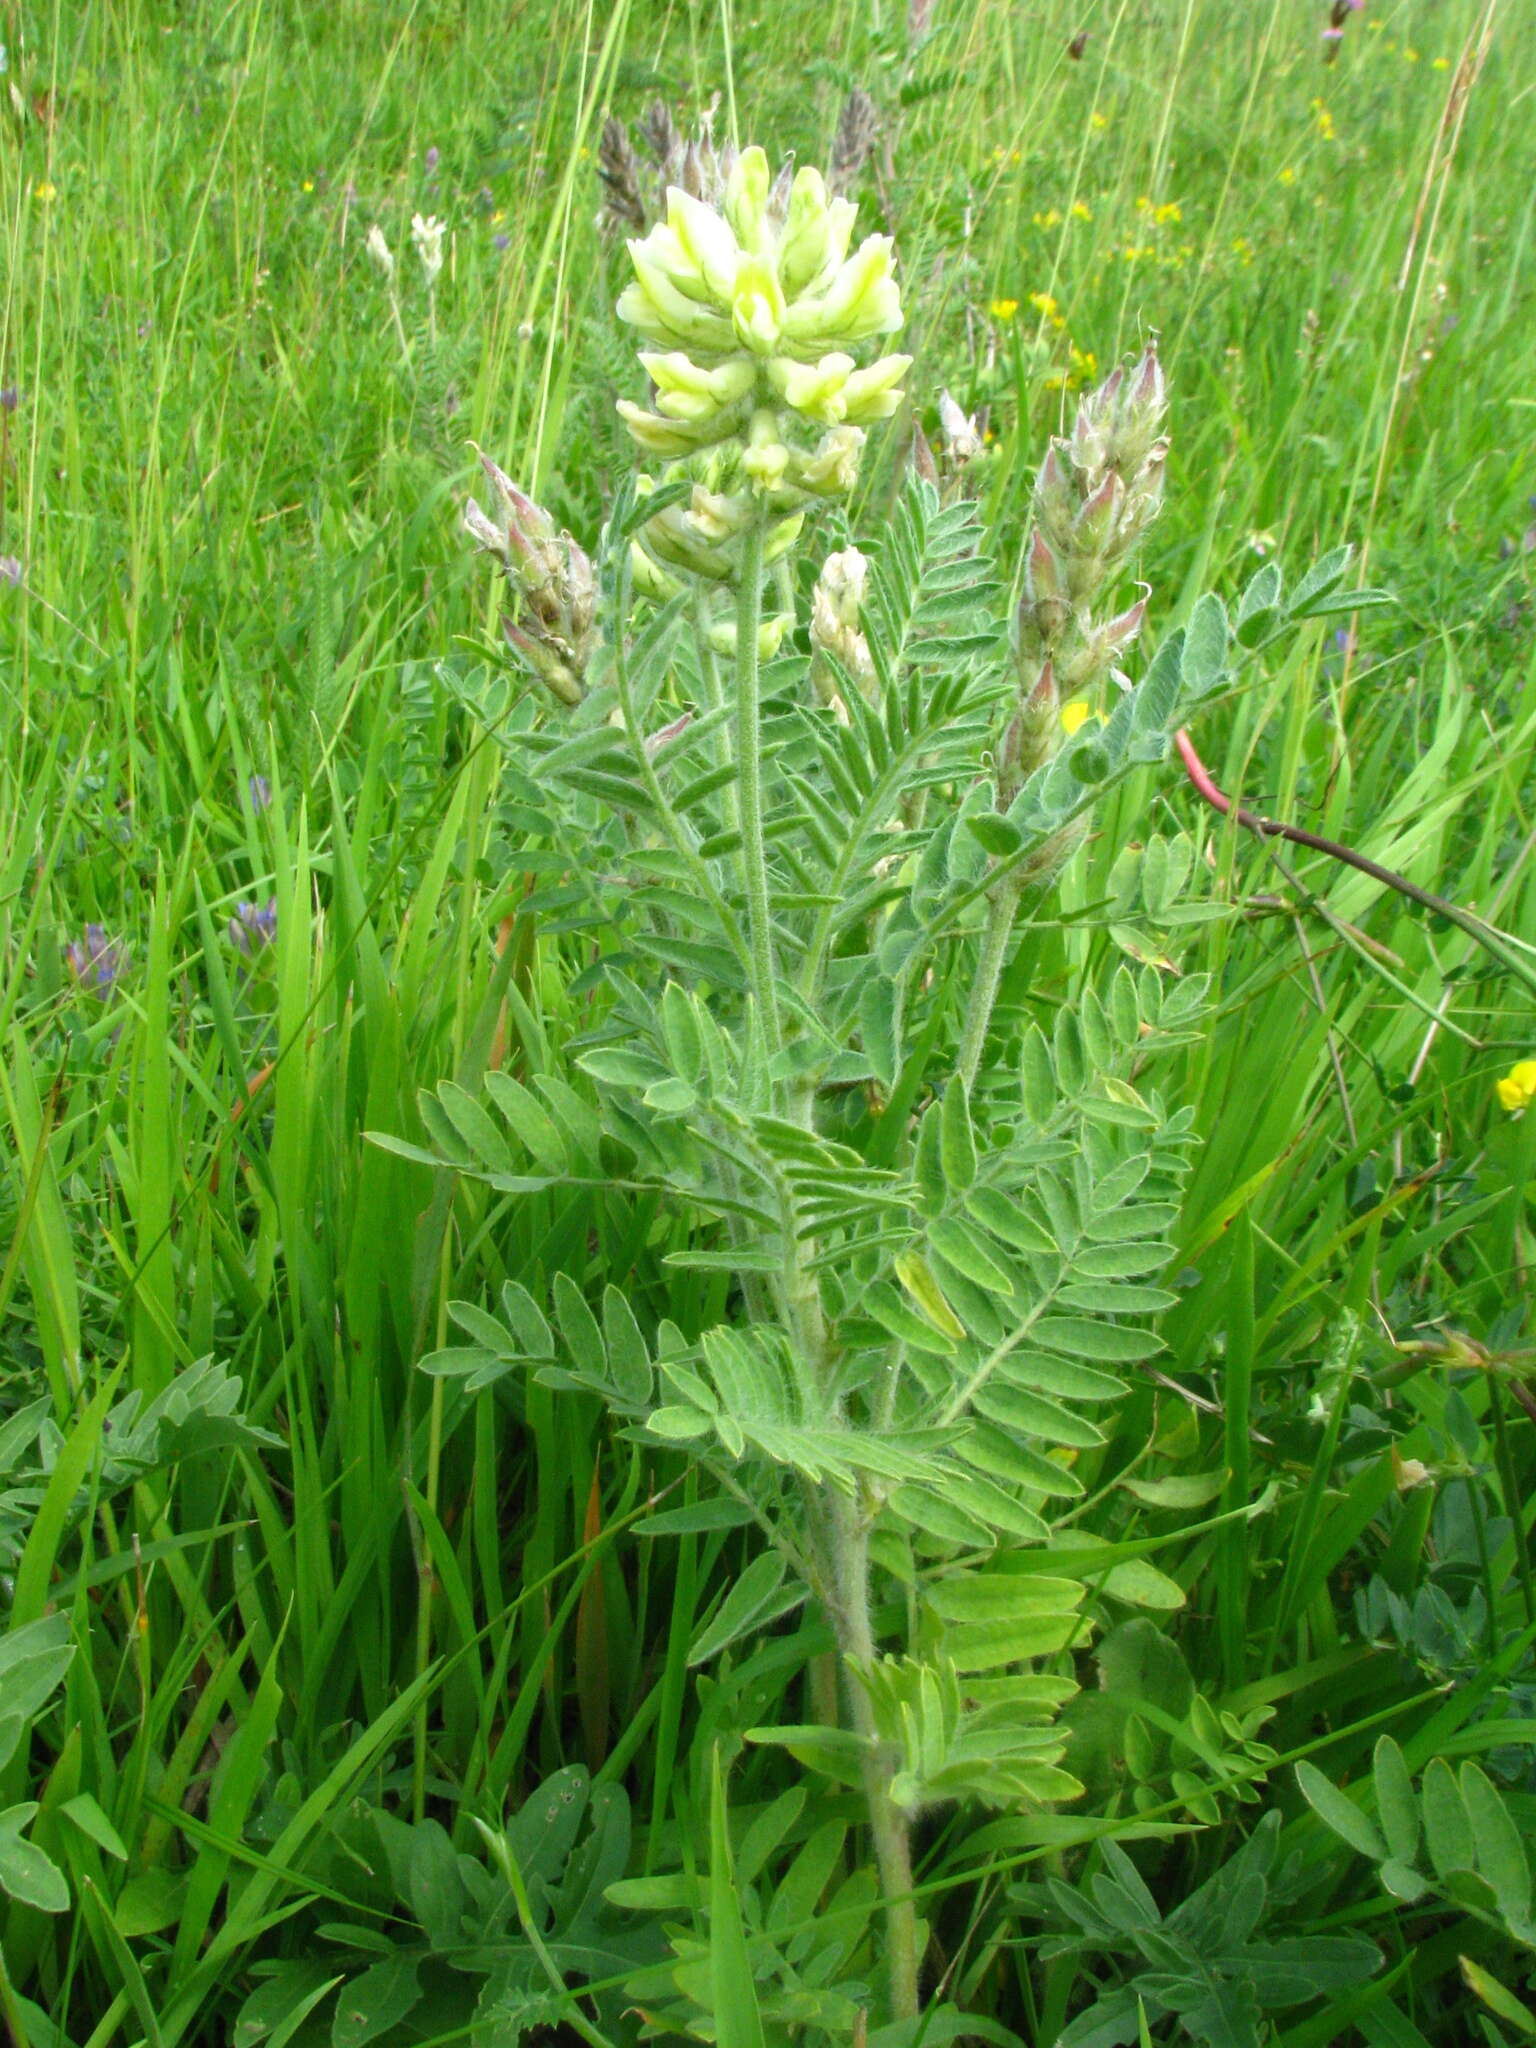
(45, 190)
(498, 216)
(1376, 25)
(1517, 1090)
(1085, 365)
(1242, 249)
(308, 185)
(1075, 716)
(1439, 63)
(1098, 120)
(1046, 307)
(1003, 309)
(1410, 54)
(1287, 176)
(1049, 219)
(1324, 120)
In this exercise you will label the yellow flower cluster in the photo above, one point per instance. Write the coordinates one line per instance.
(752, 309)
(1517, 1089)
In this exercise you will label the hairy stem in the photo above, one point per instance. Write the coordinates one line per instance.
(843, 1540)
(749, 785)
(1002, 910)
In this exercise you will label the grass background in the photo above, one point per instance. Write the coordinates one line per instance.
(230, 485)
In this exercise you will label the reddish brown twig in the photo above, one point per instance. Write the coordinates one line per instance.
(1271, 828)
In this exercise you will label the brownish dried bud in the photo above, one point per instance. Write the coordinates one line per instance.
(857, 129)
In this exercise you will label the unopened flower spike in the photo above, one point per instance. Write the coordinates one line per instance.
(1097, 491)
(553, 577)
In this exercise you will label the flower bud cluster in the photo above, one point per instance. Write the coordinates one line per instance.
(552, 576)
(1098, 490)
(752, 309)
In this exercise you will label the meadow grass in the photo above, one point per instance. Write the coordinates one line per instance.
(231, 484)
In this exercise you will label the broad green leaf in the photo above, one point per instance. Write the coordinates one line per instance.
(993, 1450)
(1203, 656)
(30, 1877)
(629, 1362)
(1103, 1343)
(1336, 1810)
(1007, 1219)
(375, 2002)
(706, 1517)
(886, 1307)
(579, 1328)
(957, 1141)
(1139, 1584)
(530, 1121)
(740, 1608)
(1179, 1490)
(1397, 1807)
(1447, 1828)
(91, 1821)
(937, 1514)
(915, 1276)
(1034, 1415)
(963, 1248)
(676, 1424)
(1402, 1880)
(995, 1596)
(1501, 1856)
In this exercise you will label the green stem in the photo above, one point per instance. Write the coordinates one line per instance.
(1003, 909)
(10, 2011)
(749, 785)
(846, 1541)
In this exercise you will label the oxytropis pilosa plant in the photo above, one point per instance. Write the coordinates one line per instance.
(806, 868)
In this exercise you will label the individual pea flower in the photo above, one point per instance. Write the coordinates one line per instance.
(552, 577)
(960, 437)
(258, 794)
(380, 251)
(253, 927)
(97, 962)
(12, 569)
(836, 603)
(1516, 1090)
(427, 234)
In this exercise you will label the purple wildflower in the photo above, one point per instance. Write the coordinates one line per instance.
(1333, 35)
(501, 242)
(433, 159)
(10, 398)
(96, 961)
(11, 570)
(253, 926)
(258, 793)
